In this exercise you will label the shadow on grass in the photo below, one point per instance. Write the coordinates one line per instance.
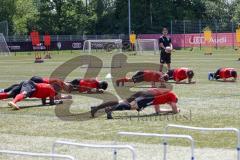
(142, 116)
(26, 107)
(63, 112)
(228, 81)
(172, 82)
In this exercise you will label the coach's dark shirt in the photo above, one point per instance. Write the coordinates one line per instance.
(165, 40)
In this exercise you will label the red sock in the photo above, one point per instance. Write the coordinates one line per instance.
(18, 98)
(3, 95)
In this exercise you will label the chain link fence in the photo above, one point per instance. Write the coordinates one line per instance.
(189, 33)
(4, 28)
(62, 38)
(184, 33)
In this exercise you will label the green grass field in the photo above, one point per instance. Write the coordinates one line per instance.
(205, 104)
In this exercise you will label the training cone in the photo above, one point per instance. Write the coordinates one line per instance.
(38, 60)
(108, 76)
(47, 56)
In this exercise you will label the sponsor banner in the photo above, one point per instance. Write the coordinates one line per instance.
(178, 40)
(196, 40)
(56, 45)
(27, 46)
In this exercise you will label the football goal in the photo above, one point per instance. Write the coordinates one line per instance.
(147, 46)
(4, 50)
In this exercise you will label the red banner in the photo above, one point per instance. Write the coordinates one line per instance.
(196, 40)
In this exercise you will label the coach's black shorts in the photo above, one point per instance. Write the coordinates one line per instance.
(37, 79)
(138, 77)
(165, 57)
(29, 87)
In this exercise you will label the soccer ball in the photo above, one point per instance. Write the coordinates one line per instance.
(168, 49)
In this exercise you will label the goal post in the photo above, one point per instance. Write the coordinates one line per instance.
(147, 46)
(107, 45)
(4, 50)
(4, 28)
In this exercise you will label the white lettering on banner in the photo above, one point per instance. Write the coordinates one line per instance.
(76, 45)
(196, 40)
(219, 40)
(14, 47)
(39, 48)
(201, 40)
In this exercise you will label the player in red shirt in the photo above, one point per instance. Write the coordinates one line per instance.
(224, 73)
(37, 90)
(141, 100)
(180, 74)
(65, 86)
(15, 89)
(145, 76)
(88, 85)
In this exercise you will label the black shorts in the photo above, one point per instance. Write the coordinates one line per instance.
(138, 77)
(143, 102)
(75, 82)
(15, 90)
(10, 88)
(165, 57)
(37, 79)
(29, 87)
(143, 99)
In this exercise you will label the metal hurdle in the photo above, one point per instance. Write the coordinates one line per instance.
(34, 154)
(209, 129)
(100, 146)
(164, 136)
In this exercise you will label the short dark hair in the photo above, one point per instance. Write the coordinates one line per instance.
(234, 74)
(164, 28)
(170, 73)
(75, 82)
(165, 77)
(190, 74)
(103, 85)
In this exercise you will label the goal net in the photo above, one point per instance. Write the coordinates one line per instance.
(4, 28)
(105, 45)
(147, 46)
(4, 50)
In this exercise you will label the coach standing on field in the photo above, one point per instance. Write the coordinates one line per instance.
(166, 47)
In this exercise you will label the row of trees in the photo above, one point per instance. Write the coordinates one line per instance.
(110, 16)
